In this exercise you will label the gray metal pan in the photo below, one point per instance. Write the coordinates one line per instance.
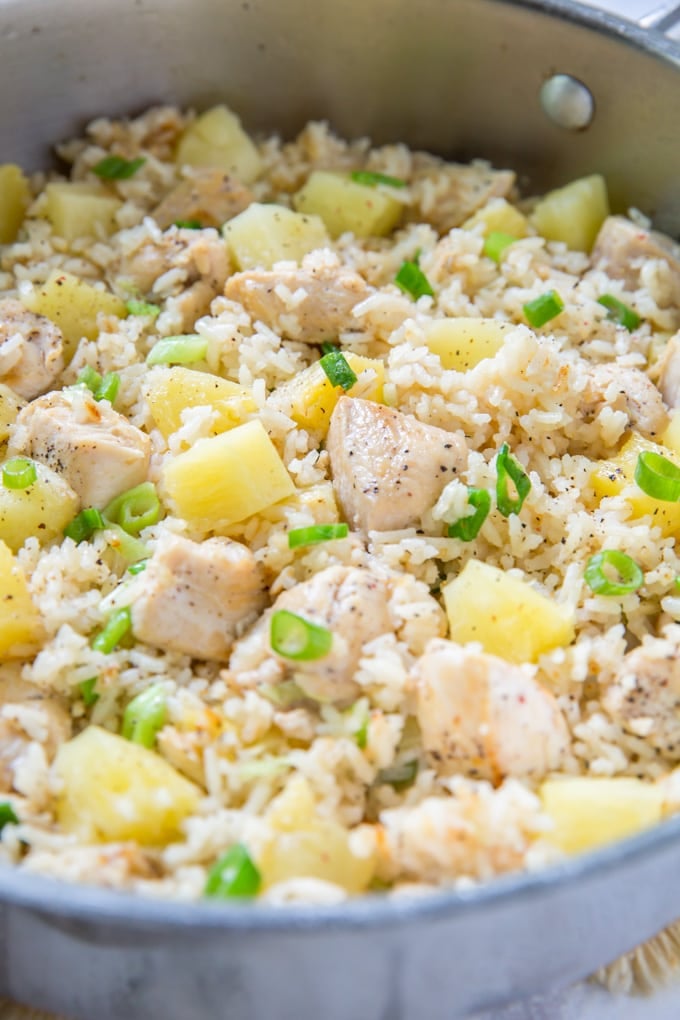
(463, 78)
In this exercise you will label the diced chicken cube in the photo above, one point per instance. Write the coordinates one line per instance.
(629, 390)
(446, 194)
(209, 196)
(31, 350)
(97, 450)
(27, 714)
(195, 598)
(669, 373)
(644, 697)
(388, 468)
(622, 247)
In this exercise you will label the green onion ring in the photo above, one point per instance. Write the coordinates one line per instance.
(293, 637)
(630, 574)
(657, 476)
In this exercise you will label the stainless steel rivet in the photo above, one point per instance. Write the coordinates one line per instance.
(568, 102)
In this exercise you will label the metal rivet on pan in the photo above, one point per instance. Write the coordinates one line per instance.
(568, 102)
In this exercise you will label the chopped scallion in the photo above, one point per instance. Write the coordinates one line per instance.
(188, 224)
(543, 308)
(137, 568)
(145, 716)
(293, 637)
(619, 313)
(495, 244)
(372, 179)
(135, 307)
(507, 468)
(234, 876)
(628, 576)
(316, 533)
(657, 476)
(130, 548)
(467, 528)
(7, 815)
(338, 371)
(328, 348)
(90, 378)
(178, 350)
(135, 509)
(101, 387)
(115, 629)
(19, 473)
(84, 525)
(676, 583)
(88, 692)
(116, 168)
(412, 280)
(399, 776)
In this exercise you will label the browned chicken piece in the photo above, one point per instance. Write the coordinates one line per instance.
(350, 602)
(621, 248)
(209, 196)
(669, 373)
(447, 194)
(485, 717)
(644, 697)
(31, 350)
(202, 255)
(628, 390)
(300, 304)
(51, 719)
(196, 597)
(97, 450)
(388, 468)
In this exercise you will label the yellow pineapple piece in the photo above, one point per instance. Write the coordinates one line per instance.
(40, 511)
(20, 623)
(77, 209)
(10, 405)
(462, 343)
(499, 216)
(170, 391)
(574, 213)
(216, 139)
(15, 198)
(265, 234)
(616, 477)
(309, 398)
(346, 206)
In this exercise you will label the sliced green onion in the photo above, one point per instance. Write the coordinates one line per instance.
(467, 528)
(84, 525)
(328, 348)
(135, 307)
(399, 776)
(372, 179)
(131, 549)
(619, 313)
(88, 692)
(19, 473)
(495, 244)
(358, 718)
(109, 387)
(628, 575)
(316, 533)
(90, 378)
(657, 476)
(188, 224)
(676, 583)
(509, 468)
(145, 716)
(543, 308)
(137, 568)
(135, 509)
(412, 280)
(115, 168)
(115, 629)
(337, 369)
(178, 350)
(234, 876)
(283, 694)
(7, 815)
(293, 637)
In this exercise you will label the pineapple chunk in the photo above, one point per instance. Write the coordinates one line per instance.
(20, 624)
(170, 391)
(573, 214)
(304, 845)
(76, 209)
(216, 139)
(346, 206)
(463, 343)
(589, 812)
(227, 478)
(505, 615)
(499, 216)
(74, 306)
(41, 511)
(264, 234)
(309, 398)
(671, 437)
(115, 790)
(15, 198)
(616, 477)
(10, 405)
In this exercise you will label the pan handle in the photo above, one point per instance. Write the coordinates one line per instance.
(663, 18)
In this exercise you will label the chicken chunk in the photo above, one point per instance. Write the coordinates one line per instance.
(31, 350)
(195, 598)
(447, 194)
(629, 390)
(300, 304)
(387, 467)
(350, 602)
(208, 196)
(644, 697)
(97, 450)
(481, 716)
(27, 714)
(669, 373)
(622, 247)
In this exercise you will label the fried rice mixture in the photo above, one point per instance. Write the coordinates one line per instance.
(340, 490)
